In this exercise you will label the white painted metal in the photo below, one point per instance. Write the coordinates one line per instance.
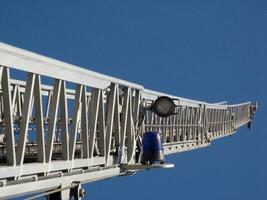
(31, 62)
(65, 135)
(139, 166)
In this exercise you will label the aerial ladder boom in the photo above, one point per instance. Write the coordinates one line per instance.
(62, 125)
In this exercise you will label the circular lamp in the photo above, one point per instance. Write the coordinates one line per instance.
(163, 106)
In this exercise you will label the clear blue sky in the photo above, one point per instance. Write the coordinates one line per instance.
(206, 50)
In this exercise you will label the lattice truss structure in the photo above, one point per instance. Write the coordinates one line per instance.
(61, 124)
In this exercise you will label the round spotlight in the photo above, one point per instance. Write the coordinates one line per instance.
(163, 106)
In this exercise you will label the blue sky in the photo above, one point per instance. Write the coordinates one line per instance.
(208, 50)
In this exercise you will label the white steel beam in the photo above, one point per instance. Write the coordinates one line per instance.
(9, 134)
(26, 112)
(32, 62)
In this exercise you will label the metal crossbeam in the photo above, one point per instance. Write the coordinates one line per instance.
(53, 135)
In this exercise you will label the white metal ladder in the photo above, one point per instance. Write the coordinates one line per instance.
(61, 124)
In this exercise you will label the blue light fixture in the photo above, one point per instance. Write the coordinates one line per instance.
(152, 149)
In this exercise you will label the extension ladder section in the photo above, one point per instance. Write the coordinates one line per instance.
(61, 124)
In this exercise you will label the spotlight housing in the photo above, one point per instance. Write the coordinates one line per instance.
(163, 106)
